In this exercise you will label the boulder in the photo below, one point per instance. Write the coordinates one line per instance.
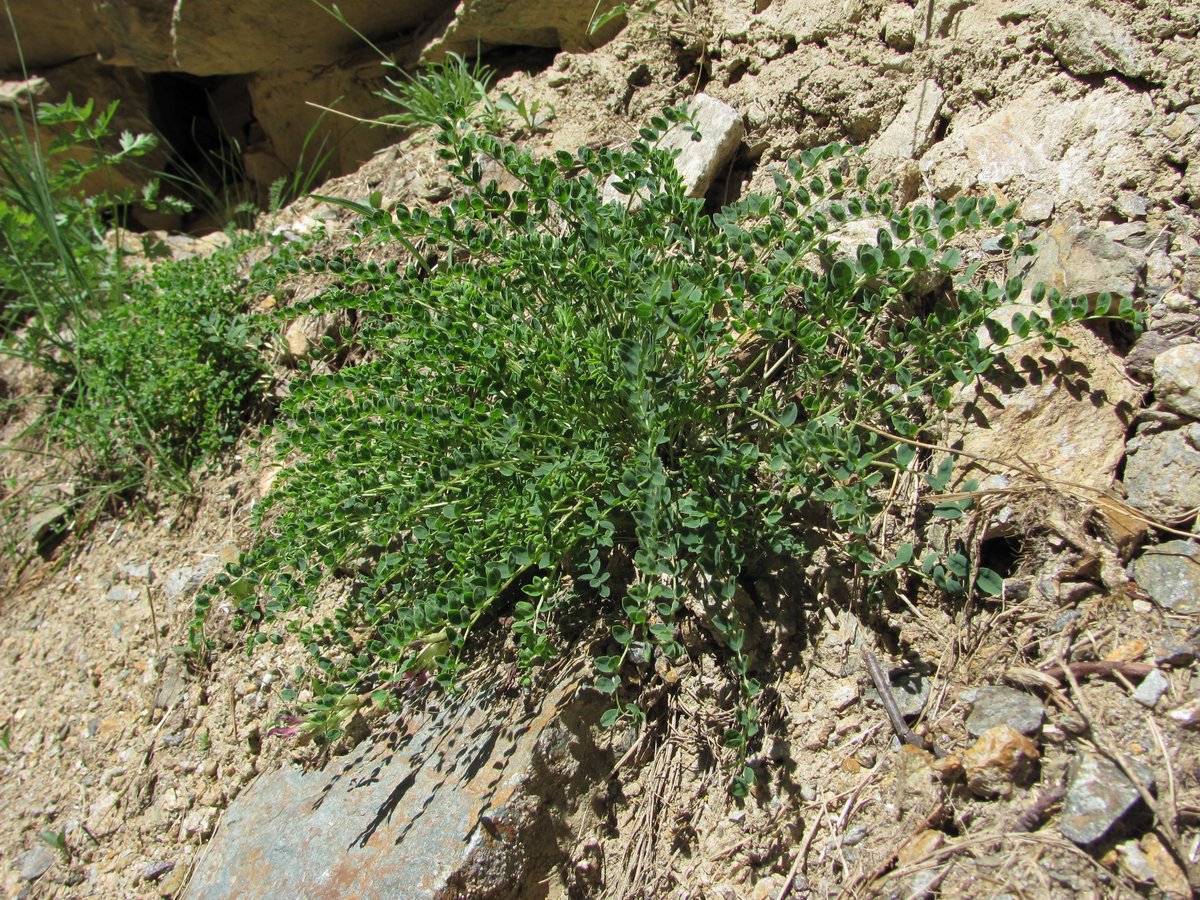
(50, 34)
(1077, 151)
(461, 801)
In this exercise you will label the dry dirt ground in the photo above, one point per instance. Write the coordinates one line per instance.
(112, 742)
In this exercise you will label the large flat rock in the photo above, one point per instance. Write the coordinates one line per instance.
(470, 799)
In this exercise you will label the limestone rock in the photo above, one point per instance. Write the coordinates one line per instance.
(1162, 474)
(912, 131)
(1001, 758)
(1078, 152)
(482, 24)
(720, 132)
(1098, 796)
(1177, 379)
(1087, 42)
(720, 128)
(1065, 412)
(457, 805)
(1000, 705)
(51, 34)
(1078, 260)
(205, 37)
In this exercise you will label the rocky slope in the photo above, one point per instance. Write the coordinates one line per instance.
(1058, 720)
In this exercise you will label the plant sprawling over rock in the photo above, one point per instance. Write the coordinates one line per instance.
(589, 388)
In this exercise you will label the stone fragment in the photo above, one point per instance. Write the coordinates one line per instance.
(121, 593)
(1150, 691)
(1078, 260)
(1087, 42)
(999, 705)
(911, 132)
(1187, 714)
(307, 333)
(1177, 379)
(1030, 409)
(720, 128)
(1165, 871)
(1170, 574)
(103, 813)
(156, 870)
(181, 583)
(919, 845)
(1162, 472)
(1145, 350)
(45, 525)
(720, 131)
(1127, 652)
(1131, 205)
(910, 690)
(198, 824)
(1074, 153)
(463, 804)
(1098, 796)
(1000, 759)
(1174, 653)
(136, 571)
(34, 863)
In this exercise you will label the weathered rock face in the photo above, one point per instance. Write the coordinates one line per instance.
(205, 37)
(482, 24)
(469, 801)
(1063, 412)
(1077, 150)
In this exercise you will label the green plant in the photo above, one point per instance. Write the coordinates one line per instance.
(455, 88)
(533, 117)
(563, 398)
(58, 841)
(168, 375)
(56, 268)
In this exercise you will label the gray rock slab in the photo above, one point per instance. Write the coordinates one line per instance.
(1080, 260)
(1177, 379)
(1170, 574)
(1098, 796)
(1162, 472)
(999, 705)
(1150, 691)
(35, 862)
(452, 803)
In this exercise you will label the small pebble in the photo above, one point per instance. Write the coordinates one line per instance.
(1150, 691)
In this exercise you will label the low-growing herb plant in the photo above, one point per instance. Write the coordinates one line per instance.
(564, 396)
